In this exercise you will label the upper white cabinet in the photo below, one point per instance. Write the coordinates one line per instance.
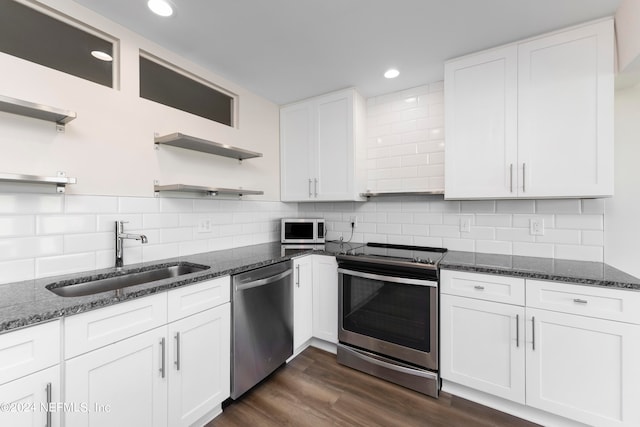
(532, 119)
(322, 148)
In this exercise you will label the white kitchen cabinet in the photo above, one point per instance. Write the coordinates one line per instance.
(322, 148)
(175, 374)
(124, 383)
(533, 119)
(31, 400)
(325, 298)
(571, 351)
(583, 368)
(483, 346)
(198, 364)
(302, 300)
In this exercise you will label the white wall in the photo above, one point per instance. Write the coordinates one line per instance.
(109, 147)
(622, 228)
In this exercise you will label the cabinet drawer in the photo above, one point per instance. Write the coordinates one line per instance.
(28, 350)
(88, 331)
(189, 300)
(509, 290)
(602, 303)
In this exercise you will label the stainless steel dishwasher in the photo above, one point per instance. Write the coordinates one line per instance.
(262, 328)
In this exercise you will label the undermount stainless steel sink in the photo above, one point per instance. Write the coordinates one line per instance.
(90, 285)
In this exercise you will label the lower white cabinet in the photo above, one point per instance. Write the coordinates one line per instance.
(302, 300)
(198, 364)
(124, 383)
(325, 298)
(483, 346)
(32, 400)
(583, 367)
(177, 374)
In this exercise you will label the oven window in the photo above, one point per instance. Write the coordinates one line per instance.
(392, 312)
(298, 230)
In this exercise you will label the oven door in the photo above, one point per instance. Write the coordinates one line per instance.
(389, 315)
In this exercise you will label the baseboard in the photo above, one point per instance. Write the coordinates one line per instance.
(208, 417)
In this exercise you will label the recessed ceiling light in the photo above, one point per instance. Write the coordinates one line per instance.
(160, 7)
(103, 56)
(392, 73)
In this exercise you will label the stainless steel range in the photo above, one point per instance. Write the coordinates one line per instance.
(388, 313)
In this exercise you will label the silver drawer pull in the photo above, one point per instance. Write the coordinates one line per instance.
(478, 287)
(580, 301)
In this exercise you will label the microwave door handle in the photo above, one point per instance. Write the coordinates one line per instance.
(392, 279)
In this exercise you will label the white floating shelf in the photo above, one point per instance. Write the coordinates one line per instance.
(60, 181)
(37, 111)
(211, 191)
(202, 145)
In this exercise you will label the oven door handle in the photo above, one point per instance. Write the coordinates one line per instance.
(403, 280)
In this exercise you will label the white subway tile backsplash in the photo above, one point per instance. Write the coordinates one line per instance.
(560, 236)
(31, 204)
(585, 253)
(75, 243)
(108, 222)
(459, 245)
(593, 238)
(478, 206)
(428, 218)
(158, 220)
(434, 242)
(494, 247)
(157, 252)
(516, 206)
(514, 235)
(176, 205)
(389, 228)
(444, 231)
(11, 226)
(559, 206)
(65, 224)
(593, 206)
(399, 218)
(524, 221)
(18, 270)
(533, 249)
(497, 220)
(580, 222)
(479, 233)
(63, 264)
(444, 206)
(193, 247)
(170, 235)
(30, 247)
(415, 230)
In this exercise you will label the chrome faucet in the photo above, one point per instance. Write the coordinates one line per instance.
(120, 236)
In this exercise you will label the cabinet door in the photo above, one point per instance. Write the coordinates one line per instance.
(28, 400)
(483, 346)
(123, 384)
(583, 368)
(296, 152)
(302, 300)
(199, 364)
(565, 113)
(335, 147)
(481, 125)
(325, 298)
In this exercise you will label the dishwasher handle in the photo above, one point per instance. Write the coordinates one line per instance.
(262, 282)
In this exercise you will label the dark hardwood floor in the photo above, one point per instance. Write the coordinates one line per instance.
(314, 390)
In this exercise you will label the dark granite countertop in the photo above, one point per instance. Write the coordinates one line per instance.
(583, 272)
(30, 302)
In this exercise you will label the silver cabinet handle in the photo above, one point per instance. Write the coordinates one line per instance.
(48, 391)
(310, 192)
(517, 330)
(524, 177)
(298, 275)
(316, 186)
(177, 362)
(478, 287)
(580, 301)
(533, 333)
(162, 357)
(511, 178)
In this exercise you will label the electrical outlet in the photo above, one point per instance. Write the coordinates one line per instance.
(205, 226)
(354, 221)
(465, 224)
(536, 227)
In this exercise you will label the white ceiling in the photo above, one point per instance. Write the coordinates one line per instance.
(286, 50)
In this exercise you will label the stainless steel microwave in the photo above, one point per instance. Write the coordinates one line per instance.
(302, 230)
